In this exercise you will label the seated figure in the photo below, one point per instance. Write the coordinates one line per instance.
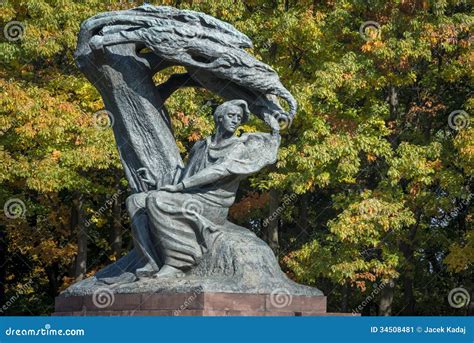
(174, 226)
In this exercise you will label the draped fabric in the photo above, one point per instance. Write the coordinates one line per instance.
(185, 224)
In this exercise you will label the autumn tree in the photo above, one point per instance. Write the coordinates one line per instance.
(372, 188)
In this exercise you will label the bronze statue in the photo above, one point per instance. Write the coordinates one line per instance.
(182, 238)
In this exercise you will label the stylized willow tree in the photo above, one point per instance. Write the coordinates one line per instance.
(121, 51)
(109, 53)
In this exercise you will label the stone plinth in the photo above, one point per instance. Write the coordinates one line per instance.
(190, 304)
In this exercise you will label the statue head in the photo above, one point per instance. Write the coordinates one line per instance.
(230, 115)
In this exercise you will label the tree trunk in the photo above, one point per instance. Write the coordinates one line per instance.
(393, 107)
(3, 266)
(346, 290)
(386, 299)
(303, 217)
(386, 296)
(125, 82)
(408, 279)
(408, 276)
(52, 274)
(81, 235)
(271, 229)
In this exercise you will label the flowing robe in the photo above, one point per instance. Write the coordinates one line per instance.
(184, 224)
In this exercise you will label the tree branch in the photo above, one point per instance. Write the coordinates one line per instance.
(175, 82)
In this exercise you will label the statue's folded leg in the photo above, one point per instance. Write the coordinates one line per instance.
(142, 238)
(177, 234)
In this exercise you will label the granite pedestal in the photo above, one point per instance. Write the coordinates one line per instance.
(191, 304)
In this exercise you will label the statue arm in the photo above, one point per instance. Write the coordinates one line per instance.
(247, 158)
(206, 176)
(215, 172)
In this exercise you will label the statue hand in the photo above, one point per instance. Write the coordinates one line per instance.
(145, 175)
(173, 188)
(272, 121)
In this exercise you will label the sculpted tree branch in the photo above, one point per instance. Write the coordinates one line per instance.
(175, 82)
(211, 50)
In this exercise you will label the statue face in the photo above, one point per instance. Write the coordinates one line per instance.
(231, 120)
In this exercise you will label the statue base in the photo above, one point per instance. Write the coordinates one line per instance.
(240, 275)
(192, 304)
